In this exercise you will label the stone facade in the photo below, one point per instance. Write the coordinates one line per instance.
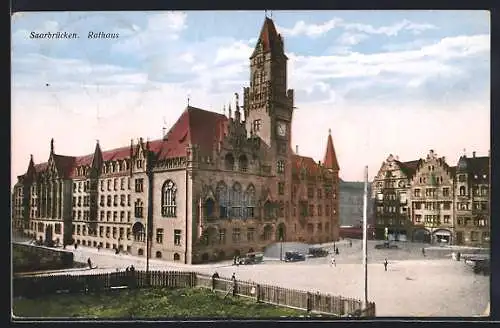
(213, 187)
(429, 201)
(351, 204)
(472, 201)
(390, 190)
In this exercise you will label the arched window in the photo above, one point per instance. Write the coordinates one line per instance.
(168, 203)
(140, 252)
(139, 232)
(250, 201)
(236, 200)
(119, 166)
(268, 210)
(177, 257)
(243, 163)
(223, 199)
(209, 208)
(229, 162)
(139, 208)
(462, 191)
(158, 255)
(280, 166)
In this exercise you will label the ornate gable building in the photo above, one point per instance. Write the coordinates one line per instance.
(391, 200)
(472, 200)
(432, 191)
(213, 187)
(429, 201)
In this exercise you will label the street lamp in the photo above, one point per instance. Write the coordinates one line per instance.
(281, 247)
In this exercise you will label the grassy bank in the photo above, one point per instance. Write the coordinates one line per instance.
(149, 303)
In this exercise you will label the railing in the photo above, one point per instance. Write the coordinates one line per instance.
(311, 302)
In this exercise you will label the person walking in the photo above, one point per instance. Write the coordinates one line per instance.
(233, 277)
(385, 264)
(89, 262)
(423, 251)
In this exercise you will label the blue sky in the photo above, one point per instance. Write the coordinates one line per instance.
(399, 82)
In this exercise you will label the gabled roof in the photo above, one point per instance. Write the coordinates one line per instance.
(299, 162)
(330, 160)
(64, 164)
(409, 168)
(269, 38)
(194, 126)
(478, 165)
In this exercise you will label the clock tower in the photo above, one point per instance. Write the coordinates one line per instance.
(268, 105)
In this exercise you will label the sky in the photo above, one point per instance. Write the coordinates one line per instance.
(384, 82)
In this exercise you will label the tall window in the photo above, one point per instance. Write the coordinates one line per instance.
(268, 210)
(168, 204)
(122, 183)
(209, 208)
(229, 162)
(256, 125)
(250, 201)
(159, 236)
(223, 199)
(236, 200)
(139, 185)
(280, 166)
(139, 208)
(177, 237)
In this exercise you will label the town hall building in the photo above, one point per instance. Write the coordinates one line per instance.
(213, 187)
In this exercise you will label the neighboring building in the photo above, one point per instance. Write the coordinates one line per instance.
(390, 190)
(211, 188)
(429, 201)
(472, 199)
(351, 203)
(432, 195)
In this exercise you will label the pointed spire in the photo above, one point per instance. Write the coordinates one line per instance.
(330, 160)
(237, 113)
(269, 39)
(229, 111)
(224, 110)
(97, 157)
(31, 158)
(52, 145)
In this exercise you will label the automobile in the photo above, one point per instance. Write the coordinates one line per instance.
(252, 258)
(318, 252)
(294, 257)
(482, 266)
(386, 245)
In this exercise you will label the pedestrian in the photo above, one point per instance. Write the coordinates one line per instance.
(234, 260)
(127, 269)
(337, 251)
(350, 243)
(76, 245)
(333, 262)
(216, 275)
(89, 262)
(132, 269)
(423, 251)
(385, 264)
(233, 277)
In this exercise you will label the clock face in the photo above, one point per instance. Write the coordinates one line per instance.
(282, 129)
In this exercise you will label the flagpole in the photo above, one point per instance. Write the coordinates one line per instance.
(365, 237)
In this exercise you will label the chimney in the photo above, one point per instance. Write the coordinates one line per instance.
(296, 149)
(473, 154)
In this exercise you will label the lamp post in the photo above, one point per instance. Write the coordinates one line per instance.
(365, 237)
(281, 247)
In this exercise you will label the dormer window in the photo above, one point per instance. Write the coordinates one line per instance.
(139, 164)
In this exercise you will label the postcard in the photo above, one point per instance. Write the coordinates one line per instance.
(258, 164)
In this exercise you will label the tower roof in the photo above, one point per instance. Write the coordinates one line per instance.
(330, 160)
(269, 38)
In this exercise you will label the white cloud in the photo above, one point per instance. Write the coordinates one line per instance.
(187, 57)
(236, 51)
(351, 39)
(315, 30)
(159, 29)
(311, 30)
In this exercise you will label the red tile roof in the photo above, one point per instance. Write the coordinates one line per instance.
(269, 37)
(330, 160)
(194, 126)
(299, 162)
